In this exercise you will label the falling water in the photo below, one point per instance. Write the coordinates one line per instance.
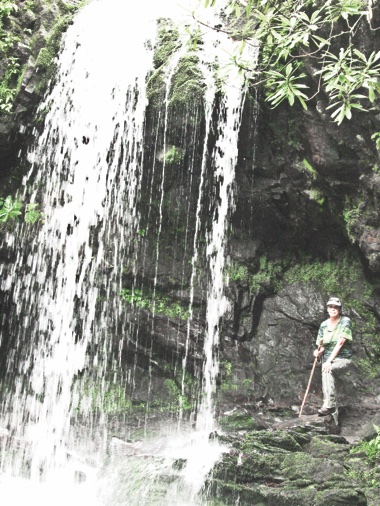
(86, 172)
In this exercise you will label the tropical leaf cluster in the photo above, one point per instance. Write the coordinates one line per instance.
(320, 36)
(11, 210)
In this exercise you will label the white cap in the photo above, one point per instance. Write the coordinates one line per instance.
(334, 301)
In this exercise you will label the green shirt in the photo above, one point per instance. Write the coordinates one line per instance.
(343, 329)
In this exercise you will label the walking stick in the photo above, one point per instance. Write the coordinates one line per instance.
(308, 386)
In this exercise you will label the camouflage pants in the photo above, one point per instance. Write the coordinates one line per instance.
(328, 381)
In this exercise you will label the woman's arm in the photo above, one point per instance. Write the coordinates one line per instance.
(327, 365)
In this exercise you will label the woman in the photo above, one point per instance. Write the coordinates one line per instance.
(334, 343)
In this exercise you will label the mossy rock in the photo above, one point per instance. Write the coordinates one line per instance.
(261, 495)
(187, 83)
(270, 441)
(323, 446)
(239, 421)
(167, 42)
(341, 497)
(156, 89)
(322, 471)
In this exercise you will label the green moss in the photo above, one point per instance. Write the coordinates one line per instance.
(156, 89)
(9, 84)
(155, 302)
(236, 422)
(187, 83)
(173, 155)
(237, 272)
(352, 213)
(269, 275)
(45, 63)
(317, 196)
(167, 42)
(322, 446)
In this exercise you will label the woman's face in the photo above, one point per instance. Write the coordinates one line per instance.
(333, 310)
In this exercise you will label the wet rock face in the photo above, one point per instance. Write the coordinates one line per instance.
(36, 29)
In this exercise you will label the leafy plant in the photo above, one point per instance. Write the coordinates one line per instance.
(154, 302)
(351, 214)
(285, 86)
(370, 448)
(33, 214)
(347, 73)
(269, 273)
(376, 138)
(6, 8)
(11, 210)
(8, 85)
(237, 272)
(291, 34)
(310, 168)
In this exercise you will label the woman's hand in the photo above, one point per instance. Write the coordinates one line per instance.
(327, 367)
(318, 353)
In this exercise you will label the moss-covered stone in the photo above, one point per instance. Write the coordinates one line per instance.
(275, 470)
(187, 83)
(45, 63)
(324, 446)
(320, 471)
(341, 497)
(239, 422)
(167, 42)
(270, 441)
(262, 495)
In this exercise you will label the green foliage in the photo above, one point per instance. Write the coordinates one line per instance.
(344, 75)
(154, 302)
(317, 196)
(282, 84)
(33, 214)
(30, 5)
(291, 33)
(6, 8)
(376, 138)
(370, 448)
(167, 42)
(351, 214)
(9, 84)
(108, 397)
(7, 42)
(46, 58)
(175, 396)
(173, 155)
(310, 168)
(334, 276)
(9, 79)
(187, 84)
(237, 272)
(269, 274)
(11, 210)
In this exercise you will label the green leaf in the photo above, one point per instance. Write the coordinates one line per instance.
(10, 210)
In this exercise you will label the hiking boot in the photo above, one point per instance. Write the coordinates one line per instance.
(325, 411)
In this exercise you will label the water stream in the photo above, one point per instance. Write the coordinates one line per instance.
(86, 173)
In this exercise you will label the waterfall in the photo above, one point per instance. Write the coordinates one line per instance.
(86, 171)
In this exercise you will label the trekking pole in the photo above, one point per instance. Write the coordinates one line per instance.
(308, 386)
